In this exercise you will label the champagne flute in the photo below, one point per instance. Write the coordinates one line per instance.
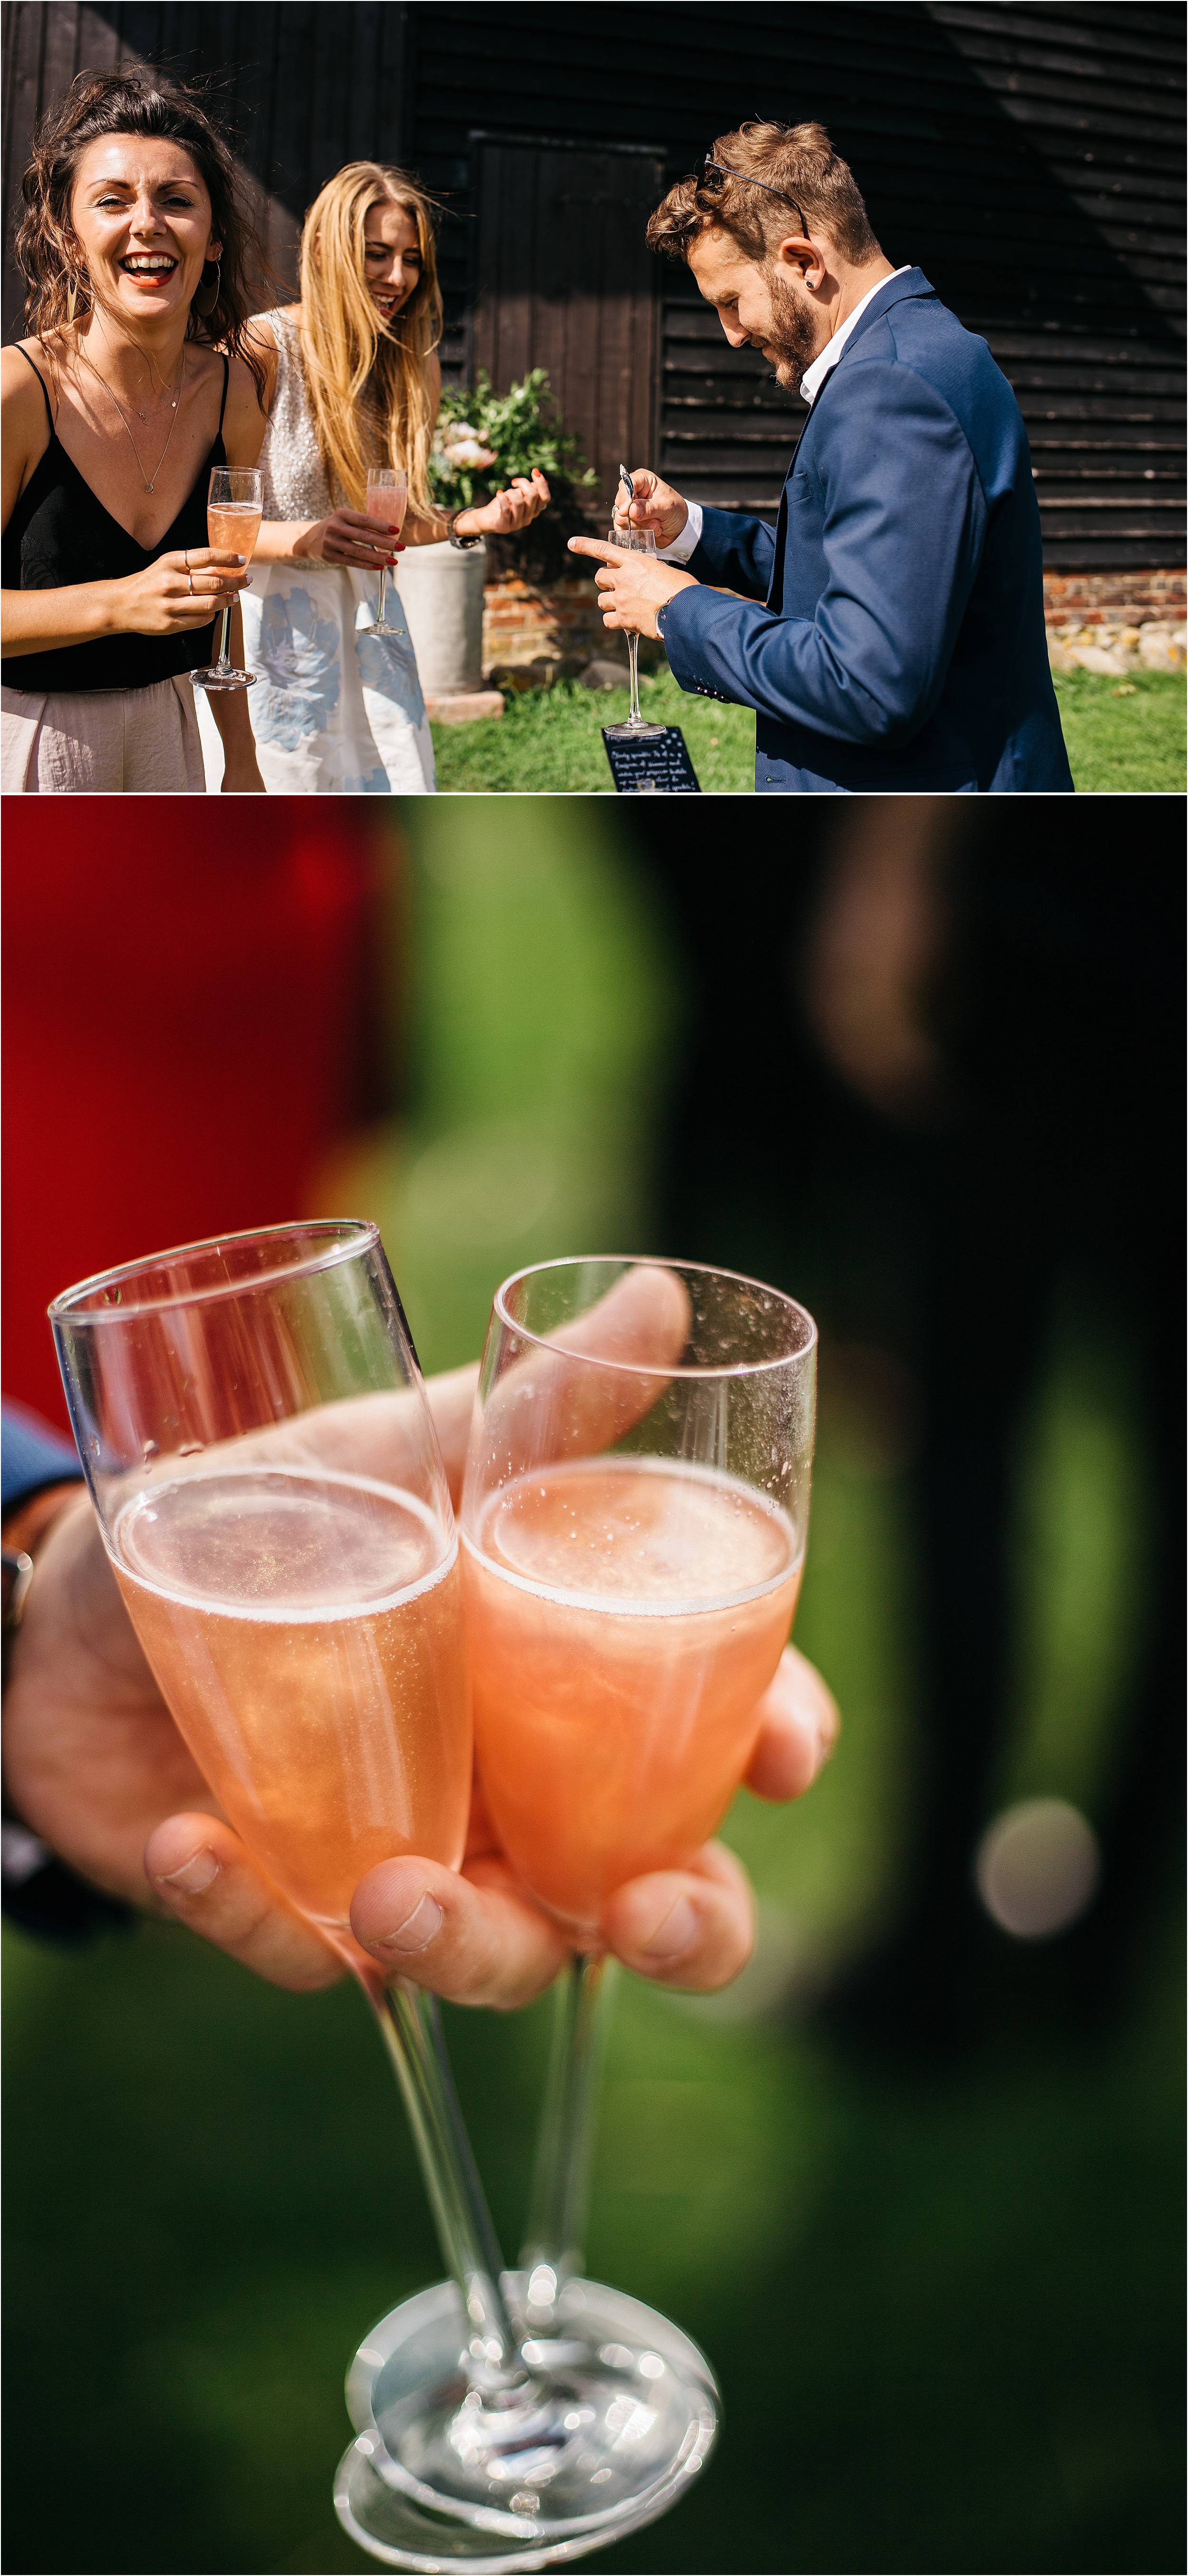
(634, 1523)
(234, 509)
(635, 727)
(262, 1460)
(387, 499)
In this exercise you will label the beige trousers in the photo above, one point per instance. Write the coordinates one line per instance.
(101, 742)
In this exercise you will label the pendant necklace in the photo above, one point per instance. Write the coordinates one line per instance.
(149, 486)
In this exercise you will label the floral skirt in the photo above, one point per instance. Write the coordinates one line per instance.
(336, 710)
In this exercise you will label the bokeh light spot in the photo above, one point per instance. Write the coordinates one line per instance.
(1037, 1867)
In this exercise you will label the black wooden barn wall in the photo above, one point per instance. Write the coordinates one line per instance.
(1027, 155)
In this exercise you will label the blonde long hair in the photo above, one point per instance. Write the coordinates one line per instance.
(365, 374)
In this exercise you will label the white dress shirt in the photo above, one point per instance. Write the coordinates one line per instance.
(814, 376)
(810, 385)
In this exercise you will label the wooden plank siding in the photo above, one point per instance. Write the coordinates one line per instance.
(553, 224)
(1027, 153)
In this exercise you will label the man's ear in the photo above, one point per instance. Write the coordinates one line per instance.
(803, 257)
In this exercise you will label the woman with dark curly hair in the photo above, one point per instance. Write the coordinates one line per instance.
(136, 379)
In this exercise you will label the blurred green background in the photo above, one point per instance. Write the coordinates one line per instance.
(939, 2296)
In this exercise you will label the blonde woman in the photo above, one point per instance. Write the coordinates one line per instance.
(353, 381)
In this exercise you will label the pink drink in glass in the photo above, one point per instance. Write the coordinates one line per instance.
(234, 525)
(305, 1633)
(625, 1616)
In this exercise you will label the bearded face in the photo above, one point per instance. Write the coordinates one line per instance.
(795, 335)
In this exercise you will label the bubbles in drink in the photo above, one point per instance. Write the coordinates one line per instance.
(306, 1632)
(234, 525)
(625, 1616)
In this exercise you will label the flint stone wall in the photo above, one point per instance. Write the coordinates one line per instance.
(1107, 622)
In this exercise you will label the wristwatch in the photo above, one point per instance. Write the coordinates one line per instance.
(463, 544)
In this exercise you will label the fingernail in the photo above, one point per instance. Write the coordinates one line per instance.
(673, 1933)
(417, 1930)
(194, 1876)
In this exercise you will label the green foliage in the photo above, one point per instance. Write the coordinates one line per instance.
(522, 430)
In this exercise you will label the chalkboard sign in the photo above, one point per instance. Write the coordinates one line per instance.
(657, 765)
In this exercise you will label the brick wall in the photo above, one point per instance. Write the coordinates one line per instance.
(1114, 598)
(523, 624)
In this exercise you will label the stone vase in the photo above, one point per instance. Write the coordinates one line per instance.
(441, 592)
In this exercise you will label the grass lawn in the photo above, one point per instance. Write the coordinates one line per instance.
(549, 742)
(1123, 736)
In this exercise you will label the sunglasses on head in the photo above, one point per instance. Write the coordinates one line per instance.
(715, 173)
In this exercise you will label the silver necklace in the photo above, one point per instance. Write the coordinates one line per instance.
(149, 485)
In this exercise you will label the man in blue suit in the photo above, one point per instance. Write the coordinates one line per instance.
(890, 633)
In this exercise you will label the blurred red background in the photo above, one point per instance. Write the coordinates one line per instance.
(190, 1024)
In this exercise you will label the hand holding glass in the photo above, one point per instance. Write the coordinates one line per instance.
(637, 541)
(234, 509)
(272, 1500)
(387, 499)
(633, 1522)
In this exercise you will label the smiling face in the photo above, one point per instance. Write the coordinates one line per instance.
(766, 306)
(141, 215)
(392, 260)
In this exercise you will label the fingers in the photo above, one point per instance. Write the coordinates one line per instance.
(198, 559)
(201, 1872)
(473, 1939)
(800, 1724)
(645, 511)
(520, 501)
(358, 537)
(212, 573)
(545, 1406)
(451, 1403)
(692, 1928)
(593, 546)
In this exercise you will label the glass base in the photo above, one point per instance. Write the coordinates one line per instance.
(620, 2417)
(381, 627)
(216, 679)
(390, 2527)
(628, 732)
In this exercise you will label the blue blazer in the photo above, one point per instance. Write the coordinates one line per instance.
(890, 634)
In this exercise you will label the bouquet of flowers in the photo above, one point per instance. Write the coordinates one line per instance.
(483, 438)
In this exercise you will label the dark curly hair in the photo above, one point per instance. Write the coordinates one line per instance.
(133, 101)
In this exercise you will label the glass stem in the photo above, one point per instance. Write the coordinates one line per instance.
(222, 657)
(634, 716)
(411, 2025)
(554, 2239)
(383, 593)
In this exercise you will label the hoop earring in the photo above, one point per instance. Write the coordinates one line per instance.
(206, 297)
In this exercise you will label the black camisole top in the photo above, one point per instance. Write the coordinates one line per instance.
(60, 533)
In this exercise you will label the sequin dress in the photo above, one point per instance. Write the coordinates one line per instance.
(336, 710)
